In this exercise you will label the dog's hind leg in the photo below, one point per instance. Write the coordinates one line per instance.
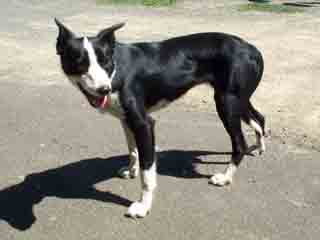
(229, 109)
(257, 122)
(260, 129)
(132, 170)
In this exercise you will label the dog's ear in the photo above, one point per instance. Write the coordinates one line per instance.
(107, 35)
(64, 35)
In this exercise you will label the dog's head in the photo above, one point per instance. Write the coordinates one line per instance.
(88, 61)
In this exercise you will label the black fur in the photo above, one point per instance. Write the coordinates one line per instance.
(149, 72)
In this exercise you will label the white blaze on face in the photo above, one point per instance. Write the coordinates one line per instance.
(96, 77)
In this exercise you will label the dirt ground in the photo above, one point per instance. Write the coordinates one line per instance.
(59, 158)
(288, 94)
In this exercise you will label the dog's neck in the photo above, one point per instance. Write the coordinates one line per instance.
(121, 53)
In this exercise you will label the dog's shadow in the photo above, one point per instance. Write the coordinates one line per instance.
(77, 181)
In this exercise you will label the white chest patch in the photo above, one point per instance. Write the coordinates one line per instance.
(96, 77)
(114, 106)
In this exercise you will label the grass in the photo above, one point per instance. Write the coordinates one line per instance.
(138, 2)
(267, 7)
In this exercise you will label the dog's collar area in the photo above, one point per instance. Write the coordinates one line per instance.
(113, 71)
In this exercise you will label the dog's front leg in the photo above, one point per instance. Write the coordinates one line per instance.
(147, 160)
(142, 127)
(132, 170)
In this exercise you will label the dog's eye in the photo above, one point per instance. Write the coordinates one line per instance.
(105, 64)
(79, 60)
(82, 64)
(102, 59)
(82, 68)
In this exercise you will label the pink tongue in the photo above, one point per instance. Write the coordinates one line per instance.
(103, 102)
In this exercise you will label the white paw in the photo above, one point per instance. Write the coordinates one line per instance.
(138, 209)
(220, 179)
(261, 151)
(253, 150)
(262, 147)
(126, 173)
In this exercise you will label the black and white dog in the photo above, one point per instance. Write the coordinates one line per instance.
(132, 80)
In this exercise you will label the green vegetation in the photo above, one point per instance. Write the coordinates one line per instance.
(266, 7)
(135, 2)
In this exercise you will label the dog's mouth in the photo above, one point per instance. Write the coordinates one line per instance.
(95, 101)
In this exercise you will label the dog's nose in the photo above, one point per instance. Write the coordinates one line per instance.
(103, 90)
